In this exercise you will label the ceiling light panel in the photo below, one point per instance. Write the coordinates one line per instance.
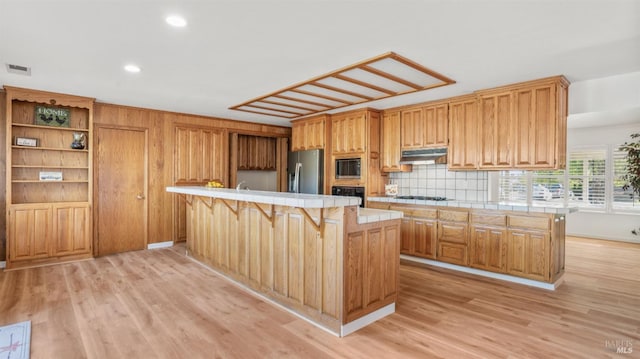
(380, 77)
(176, 21)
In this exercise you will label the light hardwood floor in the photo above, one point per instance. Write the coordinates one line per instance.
(160, 304)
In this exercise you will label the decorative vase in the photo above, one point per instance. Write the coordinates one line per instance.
(78, 141)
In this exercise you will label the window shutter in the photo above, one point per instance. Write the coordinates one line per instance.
(586, 179)
(622, 199)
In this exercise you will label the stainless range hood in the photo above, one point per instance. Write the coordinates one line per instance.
(425, 156)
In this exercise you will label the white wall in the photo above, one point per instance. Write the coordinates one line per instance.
(259, 180)
(602, 225)
(604, 112)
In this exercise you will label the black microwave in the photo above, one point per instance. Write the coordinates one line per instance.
(348, 168)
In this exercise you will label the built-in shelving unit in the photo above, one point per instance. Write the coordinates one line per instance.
(48, 220)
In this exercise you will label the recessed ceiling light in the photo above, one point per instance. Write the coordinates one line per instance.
(176, 21)
(132, 68)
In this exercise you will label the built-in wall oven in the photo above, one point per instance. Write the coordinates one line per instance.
(350, 192)
(348, 168)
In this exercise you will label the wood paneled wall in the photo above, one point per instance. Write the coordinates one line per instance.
(160, 125)
(3, 168)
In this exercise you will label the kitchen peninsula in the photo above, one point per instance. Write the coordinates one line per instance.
(321, 257)
(513, 242)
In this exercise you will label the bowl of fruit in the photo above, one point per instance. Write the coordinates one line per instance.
(214, 184)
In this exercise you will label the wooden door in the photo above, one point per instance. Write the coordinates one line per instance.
(413, 129)
(436, 120)
(425, 235)
(488, 248)
(391, 143)
(496, 124)
(406, 236)
(72, 229)
(121, 183)
(535, 126)
(30, 232)
(463, 132)
(527, 254)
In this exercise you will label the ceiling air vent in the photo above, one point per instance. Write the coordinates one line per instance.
(20, 70)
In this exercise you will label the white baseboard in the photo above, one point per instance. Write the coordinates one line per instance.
(160, 245)
(606, 238)
(367, 319)
(505, 277)
(3, 264)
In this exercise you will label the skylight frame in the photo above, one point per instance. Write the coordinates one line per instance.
(347, 91)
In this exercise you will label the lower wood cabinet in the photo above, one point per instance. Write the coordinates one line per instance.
(527, 245)
(419, 232)
(453, 237)
(48, 233)
(528, 254)
(488, 248)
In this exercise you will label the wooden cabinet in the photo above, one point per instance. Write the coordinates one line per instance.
(528, 246)
(200, 155)
(349, 133)
(29, 232)
(495, 130)
(463, 133)
(540, 125)
(390, 153)
(256, 153)
(308, 134)
(418, 231)
(426, 126)
(53, 121)
(72, 229)
(523, 125)
(488, 242)
(453, 237)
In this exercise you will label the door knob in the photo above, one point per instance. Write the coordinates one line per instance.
(140, 196)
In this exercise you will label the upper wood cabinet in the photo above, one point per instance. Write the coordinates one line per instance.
(540, 120)
(495, 130)
(308, 134)
(463, 133)
(524, 125)
(256, 153)
(425, 126)
(349, 132)
(390, 132)
(200, 155)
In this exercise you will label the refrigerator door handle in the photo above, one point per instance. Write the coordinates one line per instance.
(296, 179)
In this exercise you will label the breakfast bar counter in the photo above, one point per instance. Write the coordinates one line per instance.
(321, 257)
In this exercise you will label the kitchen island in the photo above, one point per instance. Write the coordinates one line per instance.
(513, 242)
(321, 257)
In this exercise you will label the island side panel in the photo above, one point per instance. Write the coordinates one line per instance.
(274, 250)
(371, 264)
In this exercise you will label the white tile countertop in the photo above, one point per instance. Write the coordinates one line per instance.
(501, 206)
(300, 200)
(370, 215)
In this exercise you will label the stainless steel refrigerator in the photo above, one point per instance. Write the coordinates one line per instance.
(306, 172)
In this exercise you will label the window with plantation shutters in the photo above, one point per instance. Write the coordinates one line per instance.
(513, 186)
(548, 187)
(592, 181)
(586, 174)
(622, 199)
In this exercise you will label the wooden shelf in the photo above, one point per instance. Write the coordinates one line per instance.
(50, 127)
(48, 149)
(38, 181)
(60, 167)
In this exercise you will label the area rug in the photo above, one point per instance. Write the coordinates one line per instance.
(15, 340)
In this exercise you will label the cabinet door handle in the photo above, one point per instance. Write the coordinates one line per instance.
(140, 196)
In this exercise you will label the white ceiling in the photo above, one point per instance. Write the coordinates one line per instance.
(236, 50)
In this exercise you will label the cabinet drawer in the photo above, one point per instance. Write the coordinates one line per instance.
(452, 253)
(491, 219)
(431, 213)
(453, 216)
(543, 223)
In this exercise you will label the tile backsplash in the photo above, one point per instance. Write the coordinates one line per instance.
(435, 180)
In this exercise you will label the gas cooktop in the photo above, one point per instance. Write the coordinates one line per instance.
(423, 198)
